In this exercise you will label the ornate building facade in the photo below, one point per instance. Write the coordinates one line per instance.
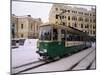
(77, 17)
(25, 26)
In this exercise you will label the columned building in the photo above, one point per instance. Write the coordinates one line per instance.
(77, 17)
(25, 26)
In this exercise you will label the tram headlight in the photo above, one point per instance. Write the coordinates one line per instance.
(45, 50)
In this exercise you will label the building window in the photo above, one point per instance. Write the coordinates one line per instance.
(57, 16)
(94, 20)
(13, 25)
(68, 11)
(62, 17)
(56, 9)
(61, 9)
(65, 16)
(75, 25)
(68, 17)
(80, 13)
(86, 14)
(87, 26)
(80, 19)
(93, 32)
(74, 11)
(74, 18)
(90, 20)
(37, 27)
(56, 22)
(90, 14)
(93, 27)
(21, 26)
(13, 30)
(94, 15)
(81, 25)
(31, 26)
(86, 20)
(69, 24)
(63, 23)
(21, 35)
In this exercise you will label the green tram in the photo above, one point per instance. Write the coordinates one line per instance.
(57, 40)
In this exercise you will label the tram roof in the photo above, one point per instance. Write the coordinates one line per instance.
(68, 28)
(76, 31)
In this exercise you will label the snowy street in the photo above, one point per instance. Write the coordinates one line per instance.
(64, 63)
(27, 54)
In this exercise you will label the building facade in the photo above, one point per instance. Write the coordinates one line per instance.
(76, 17)
(25, 26)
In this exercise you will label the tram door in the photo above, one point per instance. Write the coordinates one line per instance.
(63, 34)
(55, 34)
(59, 34)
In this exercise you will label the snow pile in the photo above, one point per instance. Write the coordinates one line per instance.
(94, 44)
(30, 42)
(25, 54)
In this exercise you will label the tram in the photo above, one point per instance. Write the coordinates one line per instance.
(56, 41)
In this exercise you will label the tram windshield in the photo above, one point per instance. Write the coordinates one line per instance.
(45, 33)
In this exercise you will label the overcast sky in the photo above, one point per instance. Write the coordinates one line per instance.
(36, 10)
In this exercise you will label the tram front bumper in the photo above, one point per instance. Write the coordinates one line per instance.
(42, 53)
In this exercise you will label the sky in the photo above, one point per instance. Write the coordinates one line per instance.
(36, 10)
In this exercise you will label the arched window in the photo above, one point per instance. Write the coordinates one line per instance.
(80, 19)
(74, 18)
(86, 20)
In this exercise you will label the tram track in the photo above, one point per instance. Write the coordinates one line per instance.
(89, 66)
(25, 67)
(65, 63)
(33, 65)
(25, 64)
(29, 66)
(76, 64)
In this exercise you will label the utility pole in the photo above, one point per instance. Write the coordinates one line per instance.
(61, 16)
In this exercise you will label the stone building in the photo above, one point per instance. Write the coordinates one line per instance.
(77, 17)
(25, 26)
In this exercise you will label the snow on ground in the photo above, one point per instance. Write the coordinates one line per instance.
(83, 64)
(93, 66)
(25, 54)
(94, 44)
(25, 67)
(62, 64)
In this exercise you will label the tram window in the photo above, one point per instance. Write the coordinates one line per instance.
(57, 16)
(45, 36)
(73, 37)
(45, 33)
(62, 35)
(55, 34)
(69, 37)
